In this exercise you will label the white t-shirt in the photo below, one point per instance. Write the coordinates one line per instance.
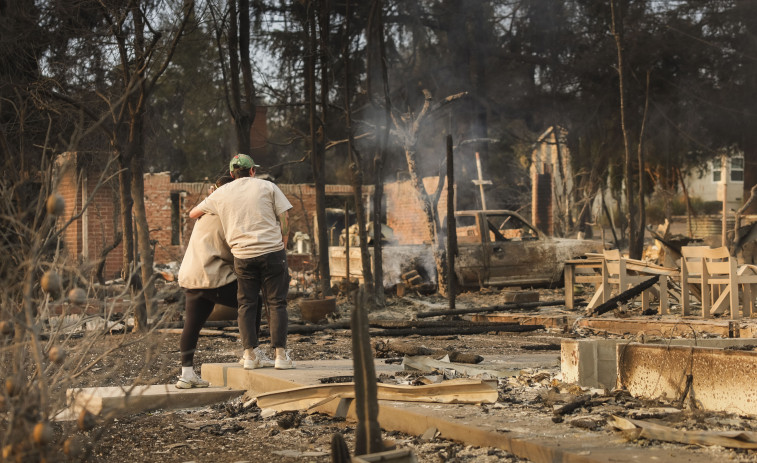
(249, 209)
(208, 262)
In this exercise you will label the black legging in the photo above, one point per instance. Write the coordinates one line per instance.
(198, 306)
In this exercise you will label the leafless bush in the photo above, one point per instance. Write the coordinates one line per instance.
(50, 341)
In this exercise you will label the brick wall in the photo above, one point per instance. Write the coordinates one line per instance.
(302, 197)
(101, 221)
(404, 211)
(96, 228)
(68, 187)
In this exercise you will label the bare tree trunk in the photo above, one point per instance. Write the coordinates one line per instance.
(367, 432)
(689, 209)
(241, 103)
(634, 244)
(135, 53)
(409, 131)
(126, 204)
(432, 219)
(451, 226)
(609, 220)
(143, 245)
(642, 209)
(128, 268)
(317, 154)
(356, 172)
(567, 217)
(376, 44)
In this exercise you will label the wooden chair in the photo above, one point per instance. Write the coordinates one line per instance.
(721, 270)
(615, 272)
(694, 279)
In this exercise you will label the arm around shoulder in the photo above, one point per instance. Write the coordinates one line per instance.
(196, 213)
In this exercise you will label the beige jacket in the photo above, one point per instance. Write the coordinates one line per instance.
(208, 262)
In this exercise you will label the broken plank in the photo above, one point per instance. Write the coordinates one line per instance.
(207, 324)
(496, 308)
(549, 321)
(389, 456)
(460, 391)
(406, 348)
(653, 431)
(429, 364)
(470, 329)
(203, 332)
(625, 296)
(397, 324)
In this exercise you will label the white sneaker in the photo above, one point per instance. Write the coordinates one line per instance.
(263, 359)
(250, 364)
(189, 383)
(283, 362)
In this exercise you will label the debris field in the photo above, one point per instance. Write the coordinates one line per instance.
(535, 411)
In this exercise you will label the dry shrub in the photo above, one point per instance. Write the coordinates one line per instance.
(44, 348)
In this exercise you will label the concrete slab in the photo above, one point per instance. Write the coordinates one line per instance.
(137, 399)
(593, 362)
(534, 438)
(720, 380)
(306, 373)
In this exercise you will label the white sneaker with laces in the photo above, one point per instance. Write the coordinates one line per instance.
(263, 359)
(250, 364)
(283, 362)
(189, 383)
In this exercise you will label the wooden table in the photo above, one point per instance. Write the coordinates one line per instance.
(589, 270)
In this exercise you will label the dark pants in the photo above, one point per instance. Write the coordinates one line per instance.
(198, 306)
(270, 273)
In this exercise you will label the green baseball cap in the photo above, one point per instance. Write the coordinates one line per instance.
(242, 160)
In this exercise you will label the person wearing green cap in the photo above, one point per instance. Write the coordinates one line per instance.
(254, 216)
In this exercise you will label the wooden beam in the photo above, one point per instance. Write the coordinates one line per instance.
(458, 391)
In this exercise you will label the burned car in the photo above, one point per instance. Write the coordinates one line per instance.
(500, 248)
(495, 248)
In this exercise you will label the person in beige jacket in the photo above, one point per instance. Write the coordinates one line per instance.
(207, 276)
(254, 214)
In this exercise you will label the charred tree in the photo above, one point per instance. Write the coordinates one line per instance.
(317, 135)
(635, 204)
(239, 86)
(407, 128)
(140, 70)
(451, 226)
(377, 72)
(356, 171)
